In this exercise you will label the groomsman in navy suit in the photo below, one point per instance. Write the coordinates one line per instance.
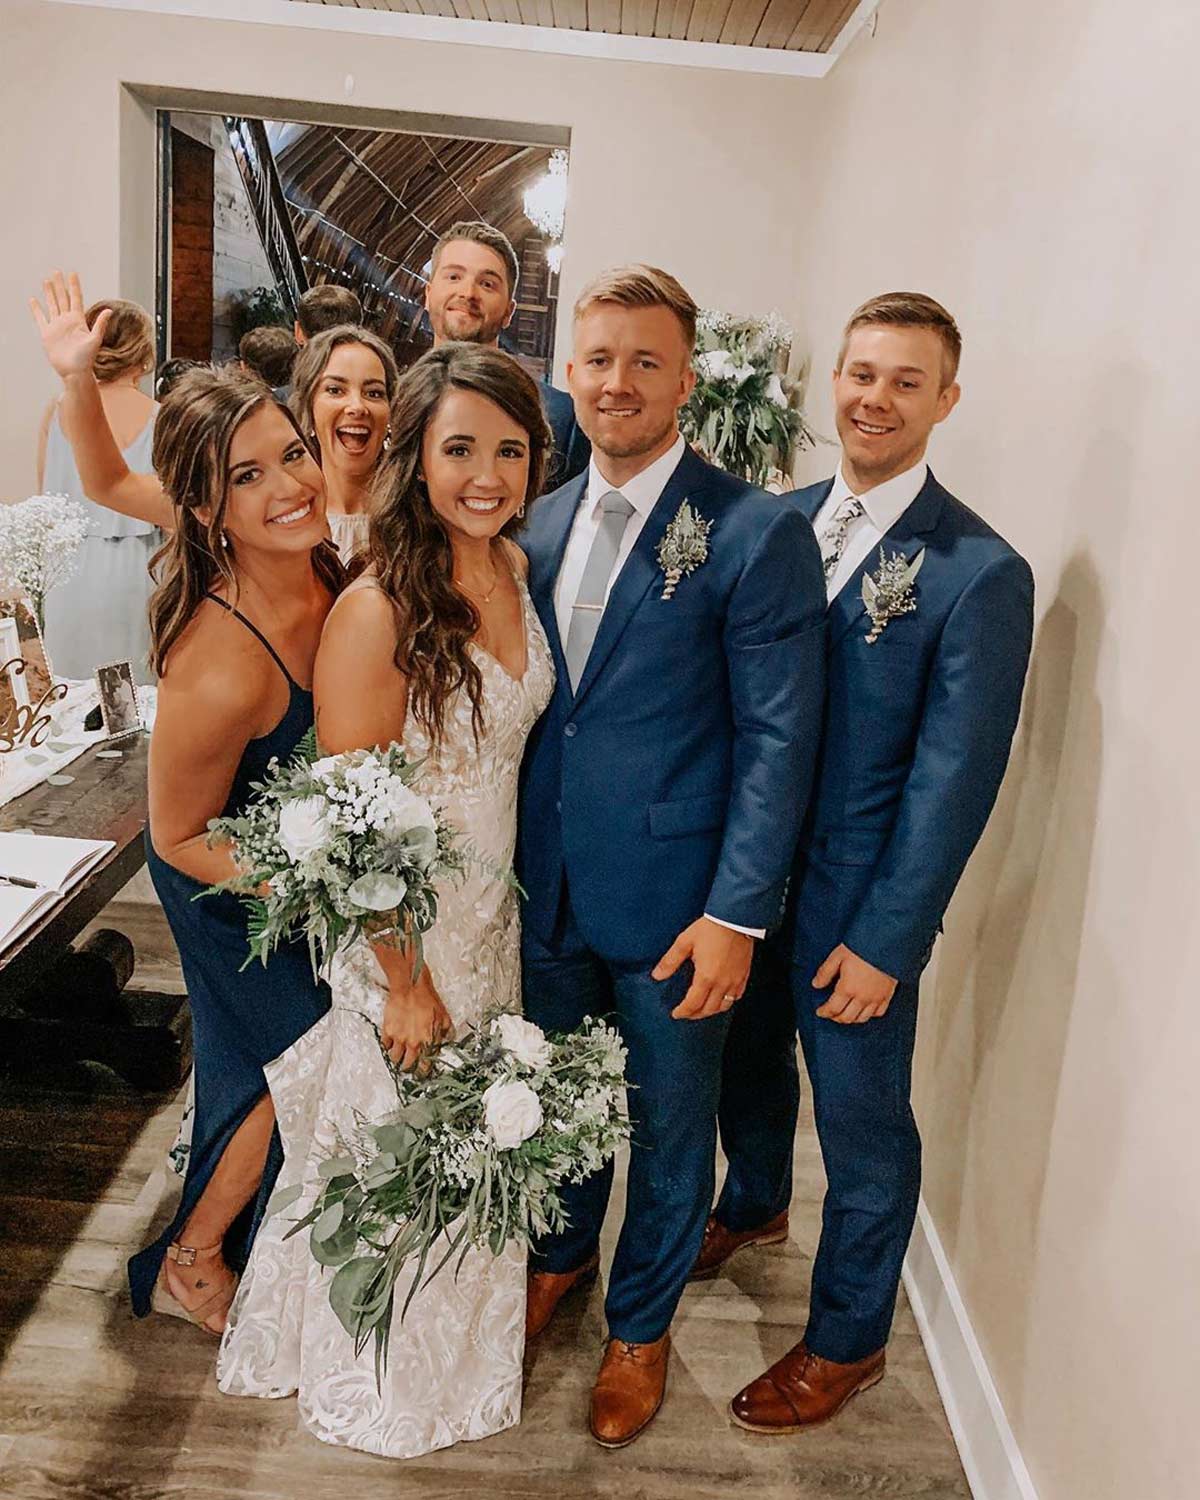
(930, 624)
(471, 297)
(662, 793)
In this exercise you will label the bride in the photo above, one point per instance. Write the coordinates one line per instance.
(436, 645)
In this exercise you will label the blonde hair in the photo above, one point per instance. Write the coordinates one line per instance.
(128, 342)
(909, 310)
(642, 286)
(315, 355)
(192, 437)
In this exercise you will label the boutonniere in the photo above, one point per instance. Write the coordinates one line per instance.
(684, 547)
(888, 593)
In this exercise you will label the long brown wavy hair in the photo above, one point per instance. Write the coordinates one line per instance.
(192, 434)
(409, 544)
(315, 354)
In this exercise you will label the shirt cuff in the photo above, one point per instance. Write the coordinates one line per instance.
(753, 932)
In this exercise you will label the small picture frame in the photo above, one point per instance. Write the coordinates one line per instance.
(26, 684)
(118, 699)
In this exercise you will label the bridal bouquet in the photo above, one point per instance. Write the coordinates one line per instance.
(334, 846)
(472, 1156)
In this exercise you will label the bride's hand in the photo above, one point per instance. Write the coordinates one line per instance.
(414, 1020)
(69, 344)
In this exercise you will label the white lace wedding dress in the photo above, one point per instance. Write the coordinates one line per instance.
(454, 1363)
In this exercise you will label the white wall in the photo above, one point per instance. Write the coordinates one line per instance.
(690, 169)
(1033, 166)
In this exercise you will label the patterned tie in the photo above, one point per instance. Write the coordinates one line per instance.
(833, 543)
(589, 602)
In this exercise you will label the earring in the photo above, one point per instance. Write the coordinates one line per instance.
(224, 542)
(387, 441)
(521, 511)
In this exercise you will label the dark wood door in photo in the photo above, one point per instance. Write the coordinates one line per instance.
(191, 248)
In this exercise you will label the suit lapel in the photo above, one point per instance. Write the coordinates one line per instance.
(641, 567)
(906, 537)
(814, 499)
(544, 567)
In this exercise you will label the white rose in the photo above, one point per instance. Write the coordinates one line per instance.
(511, 1112)
(775, 392)
(717, 364)
(523, 1040)
(326, 766)
(405, 811)
(304, 826)
(742, 373)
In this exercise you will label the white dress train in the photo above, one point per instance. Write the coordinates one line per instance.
(454, 1362)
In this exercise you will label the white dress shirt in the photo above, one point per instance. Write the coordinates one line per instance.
(643, 492)
(883, 507)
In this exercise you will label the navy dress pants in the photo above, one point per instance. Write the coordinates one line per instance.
(860, 1077)
(674, 1074)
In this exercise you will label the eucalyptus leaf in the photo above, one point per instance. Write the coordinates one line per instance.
(283, 1198)
(330, 1221)
(336, 1166)
(335, 1250)
(347, 1291)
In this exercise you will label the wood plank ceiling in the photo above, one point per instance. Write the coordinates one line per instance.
(368, 205)
(789, 25)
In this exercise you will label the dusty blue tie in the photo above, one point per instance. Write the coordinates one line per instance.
(615, 511)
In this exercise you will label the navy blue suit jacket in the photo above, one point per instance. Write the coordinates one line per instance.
(916, 738)
(674, 781)
(572, 451)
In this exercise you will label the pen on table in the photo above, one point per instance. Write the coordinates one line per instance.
(30, 885)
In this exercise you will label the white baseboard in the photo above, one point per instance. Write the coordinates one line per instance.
(990, 1456)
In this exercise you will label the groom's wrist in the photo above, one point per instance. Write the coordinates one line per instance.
(751, 932)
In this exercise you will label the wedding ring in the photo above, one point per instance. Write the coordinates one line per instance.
(730, 998)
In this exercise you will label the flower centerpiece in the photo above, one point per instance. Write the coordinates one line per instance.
(473, 1156)
(338, 846)
(40, 540)
(743, 414)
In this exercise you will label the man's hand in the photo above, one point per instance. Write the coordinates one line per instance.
(862, 991)
(721, 964)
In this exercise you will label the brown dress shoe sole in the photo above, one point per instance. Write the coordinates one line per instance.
(625, 1441)
(775, 1237)
(864, 1385)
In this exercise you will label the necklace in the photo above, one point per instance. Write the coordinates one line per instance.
(483, 598)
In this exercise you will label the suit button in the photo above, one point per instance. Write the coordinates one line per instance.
(571, 730)
(558, 807)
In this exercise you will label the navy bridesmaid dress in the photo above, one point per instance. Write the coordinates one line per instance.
(241, 1018)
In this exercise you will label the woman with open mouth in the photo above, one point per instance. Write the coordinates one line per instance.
(343, 385)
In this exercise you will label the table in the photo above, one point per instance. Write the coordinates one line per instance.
(106, 800)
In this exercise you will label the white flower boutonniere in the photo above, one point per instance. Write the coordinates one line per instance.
(888, 593)
(684, 547)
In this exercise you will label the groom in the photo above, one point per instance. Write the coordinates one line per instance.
(930, 621)
(661, 794)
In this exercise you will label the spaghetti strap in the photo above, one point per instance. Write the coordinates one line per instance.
(254, 630)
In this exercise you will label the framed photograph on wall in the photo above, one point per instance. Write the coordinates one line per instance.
(118, 699)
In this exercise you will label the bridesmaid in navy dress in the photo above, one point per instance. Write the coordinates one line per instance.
(245, 581)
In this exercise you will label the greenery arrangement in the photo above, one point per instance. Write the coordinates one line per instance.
(260, 307)
(743, 413)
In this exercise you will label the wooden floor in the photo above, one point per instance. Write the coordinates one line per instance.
(96, 1404)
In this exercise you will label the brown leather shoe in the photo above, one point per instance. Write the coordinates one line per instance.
(628, 1390)
(720, 1243)
(802, 1390)
(546, 1289)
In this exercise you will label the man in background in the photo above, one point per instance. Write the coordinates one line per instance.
(471, 297)
(269, 352)
(323, 307)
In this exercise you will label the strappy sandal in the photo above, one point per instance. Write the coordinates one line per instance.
(164, 1300)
